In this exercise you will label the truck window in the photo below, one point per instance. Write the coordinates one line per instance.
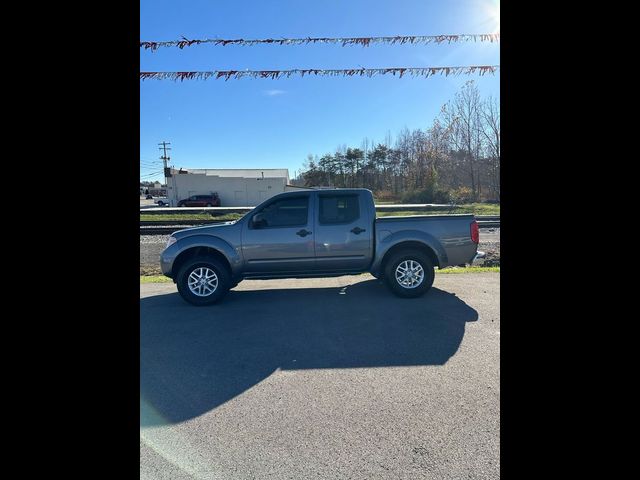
(288, 212)
(339, 209)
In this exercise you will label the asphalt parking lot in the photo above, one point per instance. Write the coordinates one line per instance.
(322, 378)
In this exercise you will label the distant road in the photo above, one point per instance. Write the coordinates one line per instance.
(144, 203)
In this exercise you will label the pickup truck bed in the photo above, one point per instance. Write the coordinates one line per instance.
(452, 232)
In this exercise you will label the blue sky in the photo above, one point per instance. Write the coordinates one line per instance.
(264, 123)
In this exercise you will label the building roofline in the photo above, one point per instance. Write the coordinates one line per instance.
(234, 169)
(299, 186)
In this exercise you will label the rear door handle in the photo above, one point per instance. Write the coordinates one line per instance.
(303, 232)
(358, 230)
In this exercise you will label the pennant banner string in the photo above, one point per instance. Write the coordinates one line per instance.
(275, 74)
(364, 41)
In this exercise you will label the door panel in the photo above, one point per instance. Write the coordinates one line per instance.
(281, 245)
(343, 236)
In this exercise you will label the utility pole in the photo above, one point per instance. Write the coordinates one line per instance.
(165, 159)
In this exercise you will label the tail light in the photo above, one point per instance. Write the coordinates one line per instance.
(475, 232)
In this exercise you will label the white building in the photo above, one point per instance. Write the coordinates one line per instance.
(235, 187)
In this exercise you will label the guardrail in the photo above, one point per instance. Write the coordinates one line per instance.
(151, 210)
(185, 210)
(167, 227)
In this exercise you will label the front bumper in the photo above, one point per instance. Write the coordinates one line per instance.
(166, 261)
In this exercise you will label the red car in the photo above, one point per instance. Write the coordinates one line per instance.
(200, 201)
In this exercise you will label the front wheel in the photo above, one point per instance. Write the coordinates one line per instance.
(203, 281)
(409, 273)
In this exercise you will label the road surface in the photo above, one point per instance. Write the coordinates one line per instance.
(322, 378)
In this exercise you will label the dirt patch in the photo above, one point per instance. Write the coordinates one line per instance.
(493, 256)
(150, 270)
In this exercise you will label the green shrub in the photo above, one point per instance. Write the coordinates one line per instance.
(441, 196)
(426, 195)
(385, 196)
(462, 195)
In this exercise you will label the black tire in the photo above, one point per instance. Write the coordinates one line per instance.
(408, 255)
(223, 275)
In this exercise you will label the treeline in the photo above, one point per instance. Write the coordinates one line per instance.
(456, 159)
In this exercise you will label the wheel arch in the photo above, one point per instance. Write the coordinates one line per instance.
(200, 251)
(410, 245)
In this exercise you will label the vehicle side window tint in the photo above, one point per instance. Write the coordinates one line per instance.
(339, 208)
(288, 212)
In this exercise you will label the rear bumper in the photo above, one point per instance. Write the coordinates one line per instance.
(479, 258)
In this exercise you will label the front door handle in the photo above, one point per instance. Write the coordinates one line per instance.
(358, 230)
(303, 232)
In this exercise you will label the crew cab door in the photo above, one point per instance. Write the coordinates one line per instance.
(343, 239)
(278, 237)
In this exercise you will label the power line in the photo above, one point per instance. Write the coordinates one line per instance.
(151, 174)
(364, 41)
(274, 74)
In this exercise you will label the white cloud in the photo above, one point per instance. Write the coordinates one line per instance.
(273, 93)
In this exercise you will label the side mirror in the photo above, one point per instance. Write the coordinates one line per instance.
(258, 221)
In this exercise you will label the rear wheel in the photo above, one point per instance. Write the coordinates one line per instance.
(203, 281)
(409, 273)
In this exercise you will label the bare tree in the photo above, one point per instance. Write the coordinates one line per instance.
(491, 132)
(460, 150)
(463, 116)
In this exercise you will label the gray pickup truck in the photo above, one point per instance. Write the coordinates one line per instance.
(318, 233)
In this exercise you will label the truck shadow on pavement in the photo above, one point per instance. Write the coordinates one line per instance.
(193, 359)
